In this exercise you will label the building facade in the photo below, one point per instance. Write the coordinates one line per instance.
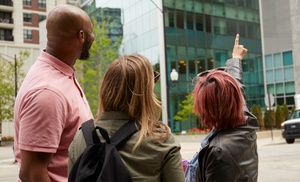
(197, 35)
(200, 36)
(19, 27)
(280, 37)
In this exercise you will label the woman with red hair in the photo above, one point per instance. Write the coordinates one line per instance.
(230, 152)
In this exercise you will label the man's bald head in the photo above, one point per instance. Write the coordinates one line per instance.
(69, 33)
(64, 21)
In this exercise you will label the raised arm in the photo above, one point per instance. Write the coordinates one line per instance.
(234, 65)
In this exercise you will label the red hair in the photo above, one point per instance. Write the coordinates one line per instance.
(219, 101)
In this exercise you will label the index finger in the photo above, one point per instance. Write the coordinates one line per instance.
(236, 42)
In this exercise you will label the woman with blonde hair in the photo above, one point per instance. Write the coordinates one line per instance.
(127, 93)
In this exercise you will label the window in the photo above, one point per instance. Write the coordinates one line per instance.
(231, 27)
(181, 59)
(170, 22)
(208, 23)
(219, 26)
(189, 21)
(42, 17)
(27, 17)
(277, 60)
(6, 34)
(199, 22)
(27, 34)
(180, 19)
(287, 58)
(288, 74)
(5, 17)
(269, 61)
(2, 34)
(26, 2)
(42, 3)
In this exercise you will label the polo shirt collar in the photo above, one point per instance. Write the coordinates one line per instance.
(56, 63)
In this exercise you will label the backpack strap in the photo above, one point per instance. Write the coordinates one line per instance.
(124, 132)
(87, 130)
(120, 135)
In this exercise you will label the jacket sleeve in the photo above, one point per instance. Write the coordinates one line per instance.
(220, 166)
(234, 68)
(172, 169)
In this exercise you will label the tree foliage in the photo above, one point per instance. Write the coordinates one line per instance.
(279, 117)
(269, 118)
(187, 108)
(187, 111)
(7, 83)
(256, 110)
(285, 111)
(103, 51)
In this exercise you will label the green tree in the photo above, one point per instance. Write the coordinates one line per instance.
(256, 110)
(103, 51)
(187, 110)
(269, 117)
(7, 83)
(279, 117)
(285, 111)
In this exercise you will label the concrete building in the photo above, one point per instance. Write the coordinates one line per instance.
(281, 40)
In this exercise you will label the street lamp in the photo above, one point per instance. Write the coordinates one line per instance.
(15, 66)
(174, 77)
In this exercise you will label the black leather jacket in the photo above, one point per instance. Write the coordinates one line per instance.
(231, 155)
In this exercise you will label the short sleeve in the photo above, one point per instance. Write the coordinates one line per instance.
(42, 119)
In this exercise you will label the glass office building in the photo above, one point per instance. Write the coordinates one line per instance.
(195, 35)
(200, 36)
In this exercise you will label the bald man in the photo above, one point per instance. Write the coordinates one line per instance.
(51, 105)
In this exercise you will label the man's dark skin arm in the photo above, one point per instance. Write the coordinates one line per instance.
(34, 166)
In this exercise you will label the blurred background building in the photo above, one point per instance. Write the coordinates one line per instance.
(189, 36)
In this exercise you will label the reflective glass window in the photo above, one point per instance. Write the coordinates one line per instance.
(190, 21)
(218, 10)
(269, 76)
(288, 74)
(231, 12)
(279, 88)
(290, 100)
(269, 61)
(277, 60)
(199, 22)
(220, 58)
(219, 26)
(181, 59)
(289, 87)
(209, 59)
(278, 75)
(270, 89)
(180, 19)
(242, 29)
(200, 60)
(208, 23)
(170, 19)
(287, 58)
(233, 2)
(231, 27)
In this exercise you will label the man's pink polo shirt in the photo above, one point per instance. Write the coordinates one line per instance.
(49, 109)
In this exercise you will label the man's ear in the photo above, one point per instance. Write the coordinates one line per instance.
(81, 36)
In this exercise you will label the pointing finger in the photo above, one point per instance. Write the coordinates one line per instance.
(236, 42)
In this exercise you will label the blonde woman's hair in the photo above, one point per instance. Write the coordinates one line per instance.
(128, 86)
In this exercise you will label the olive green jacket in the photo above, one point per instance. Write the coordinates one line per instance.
(151, 161)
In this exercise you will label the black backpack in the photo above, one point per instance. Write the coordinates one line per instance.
(100, 161)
